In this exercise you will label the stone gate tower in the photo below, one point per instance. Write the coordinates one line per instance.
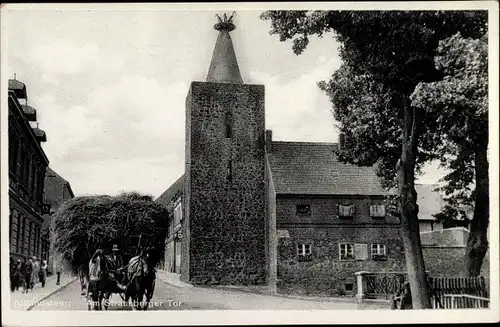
(225, 227)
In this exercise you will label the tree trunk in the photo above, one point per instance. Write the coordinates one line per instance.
(409, 212)
(477, 245)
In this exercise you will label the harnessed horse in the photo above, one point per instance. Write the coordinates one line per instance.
(141, 276)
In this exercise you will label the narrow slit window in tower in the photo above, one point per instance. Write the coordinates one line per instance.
(229, 131)
(229, 171)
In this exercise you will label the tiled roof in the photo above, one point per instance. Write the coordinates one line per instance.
(176, 188)
(55, 188)
(56, 191)
(313, 168)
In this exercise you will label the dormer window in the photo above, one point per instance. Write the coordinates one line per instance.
(377, 211)
(346, 211)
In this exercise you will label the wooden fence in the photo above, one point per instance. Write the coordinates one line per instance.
(446, 292)
(458, 292)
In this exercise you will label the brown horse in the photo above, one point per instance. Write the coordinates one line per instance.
(141, 276)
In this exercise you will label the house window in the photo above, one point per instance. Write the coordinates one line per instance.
(346, 251)
(377, 211)
(303, 210)
(303, 250)
(378, 251)
(346, 211)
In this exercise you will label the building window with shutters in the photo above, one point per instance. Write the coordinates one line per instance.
(355, 251)
(178, 214)
(33, 183)
(377, 211)
(378, 251)
(13, 151)
(304, 251)
(346, 251)
(346, 211)
(303, 210)
(23, 233)
(361, 251)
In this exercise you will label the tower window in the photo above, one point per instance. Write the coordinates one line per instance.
(229, 132)
(229, 171)
(228, 121)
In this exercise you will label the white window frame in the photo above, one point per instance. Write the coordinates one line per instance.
(352, 212)
(344, 251)
(304, 249)
(376, 249)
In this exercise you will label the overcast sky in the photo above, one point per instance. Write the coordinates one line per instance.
(110, 87)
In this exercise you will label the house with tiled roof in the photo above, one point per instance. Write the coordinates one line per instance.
(250, 210)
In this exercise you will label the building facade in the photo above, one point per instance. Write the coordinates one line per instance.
(331, 220)
(255, 211)
(57, 191)
(431, 202)
(27, 165)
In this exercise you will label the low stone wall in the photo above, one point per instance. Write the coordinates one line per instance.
(444, 252)
(451, 237)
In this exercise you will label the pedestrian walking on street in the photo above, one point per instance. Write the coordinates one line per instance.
(28, 275)
(34, 275)
(12, 274)
(58, 278)
(43, 273)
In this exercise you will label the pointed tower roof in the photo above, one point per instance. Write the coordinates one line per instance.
(224, 66)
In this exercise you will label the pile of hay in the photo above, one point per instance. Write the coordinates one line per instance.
(131, 220)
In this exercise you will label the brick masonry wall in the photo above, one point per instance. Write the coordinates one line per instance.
(226, 216)
(326, 274)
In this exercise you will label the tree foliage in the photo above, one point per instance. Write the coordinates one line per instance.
(385, 56)
(84, 224)
(460, 103)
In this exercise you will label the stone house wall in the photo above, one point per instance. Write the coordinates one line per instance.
(324, 273)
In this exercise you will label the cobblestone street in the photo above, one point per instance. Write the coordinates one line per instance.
(168, 297)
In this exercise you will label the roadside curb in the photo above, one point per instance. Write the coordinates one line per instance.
(50, 294)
